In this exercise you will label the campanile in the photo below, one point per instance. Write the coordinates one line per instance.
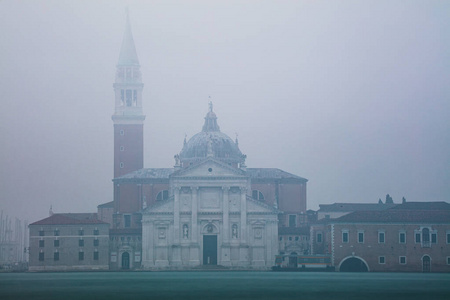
(128, 117)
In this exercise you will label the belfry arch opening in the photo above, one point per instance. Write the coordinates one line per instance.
(353, 264)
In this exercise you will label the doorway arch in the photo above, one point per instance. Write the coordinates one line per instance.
(426, 264)
(353, 264)
(125, 261)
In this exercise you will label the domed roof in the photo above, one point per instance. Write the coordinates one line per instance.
(210, 142)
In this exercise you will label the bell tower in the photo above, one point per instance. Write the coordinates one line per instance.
(128, 117)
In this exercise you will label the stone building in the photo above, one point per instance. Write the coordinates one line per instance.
(411, 237)
(209, 209)
(74, 241)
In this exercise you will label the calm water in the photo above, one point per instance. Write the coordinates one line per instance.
(224, 285)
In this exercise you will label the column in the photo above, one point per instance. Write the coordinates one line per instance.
(176, 254)
(243, 248)
(226, 252)
(194, 249)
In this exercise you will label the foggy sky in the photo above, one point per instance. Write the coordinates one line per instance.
(352, 95)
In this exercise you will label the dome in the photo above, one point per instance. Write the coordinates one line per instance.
(210, 142)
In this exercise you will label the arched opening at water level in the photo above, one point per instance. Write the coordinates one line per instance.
(353, 264)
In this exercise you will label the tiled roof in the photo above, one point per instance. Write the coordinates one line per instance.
(396, 216)
(424, 205)
(106, 205)
(70, 219)
(346, 207)
(151, 173)
(272, 173)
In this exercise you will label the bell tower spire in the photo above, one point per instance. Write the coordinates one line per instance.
(128, 117)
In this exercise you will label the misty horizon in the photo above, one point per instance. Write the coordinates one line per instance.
(352, 96)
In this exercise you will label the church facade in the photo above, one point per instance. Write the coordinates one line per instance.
(208, 209)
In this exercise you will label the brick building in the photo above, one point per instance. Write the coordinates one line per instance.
(411, 237)
(73, 241)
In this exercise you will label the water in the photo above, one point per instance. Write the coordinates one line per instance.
(224, 285)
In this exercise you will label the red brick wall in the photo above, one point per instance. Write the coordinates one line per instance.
(132, 156)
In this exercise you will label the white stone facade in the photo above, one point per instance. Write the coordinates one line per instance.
(209, 220)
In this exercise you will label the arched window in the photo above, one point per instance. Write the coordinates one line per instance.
(425, 237)
(163, 195)
(257, 195)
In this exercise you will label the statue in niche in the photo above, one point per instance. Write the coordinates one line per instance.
(234, 231)
(185, 231)
(209, 228)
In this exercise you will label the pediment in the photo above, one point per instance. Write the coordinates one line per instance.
(210, 167)
(160, 207)
(255, 206)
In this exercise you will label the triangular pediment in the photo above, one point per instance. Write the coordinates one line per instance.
(160, 207)
(209, 167)
(255, 206)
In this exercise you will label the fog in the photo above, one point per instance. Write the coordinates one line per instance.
(352, 95)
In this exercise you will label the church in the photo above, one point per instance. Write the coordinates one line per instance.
(208, 209)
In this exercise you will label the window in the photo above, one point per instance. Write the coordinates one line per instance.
(41, 256)
(96, 255)
(381, 237)
(81, 255)
(381, 260)
(56, 233)
(402, 260)
(345, 236)
(96, 243)
(257, 195)
(56, 256)
(41, 232)
(402, 237)
(81, 231)
(425, 237)
(41, 243)
(319, 237)
(360, 237)
(121, 165)
(448, 260)
(163, 195)
(290, 238)
(81, 243)
(434, 238)
(417, 237)
(296, 238)
(122, 132)
(292, 220)
(281, 238)
(127, 220)
(95, 231)
(56, 243)
(448, 237)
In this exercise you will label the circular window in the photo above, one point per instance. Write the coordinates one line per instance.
(210, 170)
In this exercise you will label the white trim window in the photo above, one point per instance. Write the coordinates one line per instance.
(381, 260)
(345, 236)
(402, 260)
(381, 236)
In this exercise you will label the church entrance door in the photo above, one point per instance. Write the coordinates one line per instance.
(125, 260)
(210, 249)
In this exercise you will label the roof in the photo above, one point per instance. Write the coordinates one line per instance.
(424, 205)
(271, 173)
(128, 55)
(396, 216)
(106, 205)
(70, 219)
(149, 173)
(346, 207)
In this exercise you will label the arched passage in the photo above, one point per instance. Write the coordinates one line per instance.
(353, 264)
